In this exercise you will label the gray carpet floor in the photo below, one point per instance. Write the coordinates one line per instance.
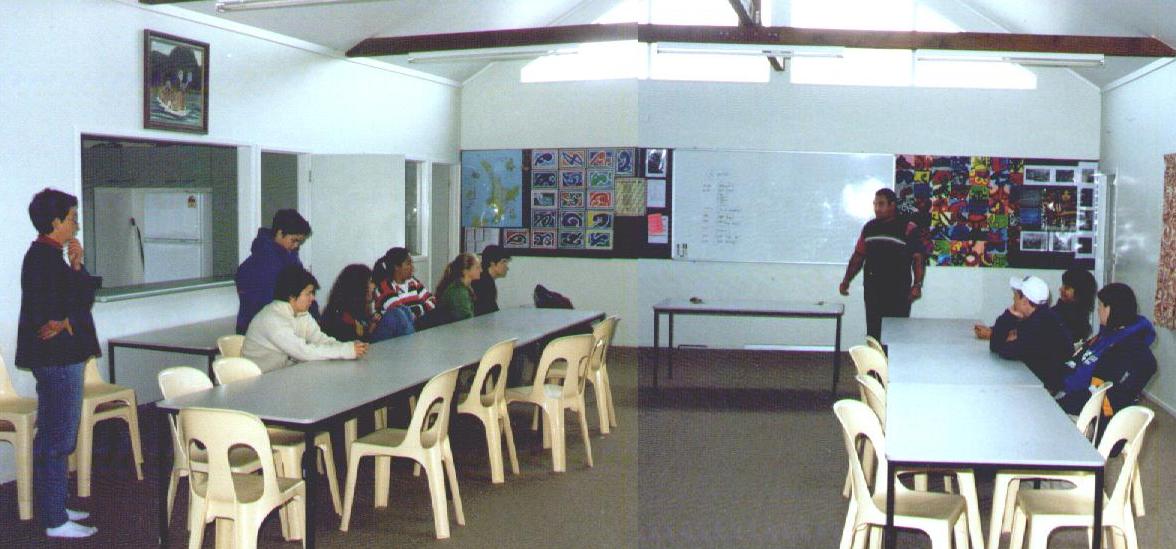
(740, 449)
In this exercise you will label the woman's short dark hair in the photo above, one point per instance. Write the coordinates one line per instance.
(888, 194)
(1084, 287)
(291, 281)
(289, 222)
(384, 266)
(50, 204)
(1121, 300)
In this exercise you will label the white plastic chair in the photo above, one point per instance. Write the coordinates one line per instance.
(1007, 482)
(230, 345)
(223, 495)
(288, 444)
(597, 375)
(871, 362)
(102, 401)
(875, 345)
(555, 399)
(426, 441)
(487, 402)
(939, 515)
(1039, 512)
(18, 416)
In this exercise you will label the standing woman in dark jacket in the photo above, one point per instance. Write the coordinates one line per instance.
(1120, 354)
(55, 337)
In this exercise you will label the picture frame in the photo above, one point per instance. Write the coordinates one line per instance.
(175, 83)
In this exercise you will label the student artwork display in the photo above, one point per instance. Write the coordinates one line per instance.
(589, 201)
(1165, 309)
(980, 211)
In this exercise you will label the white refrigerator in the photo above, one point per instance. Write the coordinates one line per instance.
(148, 235)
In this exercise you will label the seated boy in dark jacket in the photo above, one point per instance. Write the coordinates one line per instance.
(1033, 333)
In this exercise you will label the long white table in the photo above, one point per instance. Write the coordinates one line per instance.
(777, 309)
(313, 396)
(939, 331)
(969, 363)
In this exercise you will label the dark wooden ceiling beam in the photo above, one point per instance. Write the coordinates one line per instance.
(752, 19)
(1128, 46)
(539, 36)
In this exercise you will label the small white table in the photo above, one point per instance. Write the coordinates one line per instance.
(311, 396)
(779, 309)
(993, 426)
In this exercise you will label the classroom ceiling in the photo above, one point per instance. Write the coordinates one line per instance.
(340, 27)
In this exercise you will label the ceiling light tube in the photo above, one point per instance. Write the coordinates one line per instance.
(1033, 59)
(765, 50)
(491, 54)
(223, 6)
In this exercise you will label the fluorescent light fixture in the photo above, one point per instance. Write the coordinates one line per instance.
(1031, 59)
(764, 50)
(244, 5)
(491, 54)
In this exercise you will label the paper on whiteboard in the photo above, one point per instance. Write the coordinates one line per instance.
(656, 193)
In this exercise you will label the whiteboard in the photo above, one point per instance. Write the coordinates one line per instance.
(772, 206)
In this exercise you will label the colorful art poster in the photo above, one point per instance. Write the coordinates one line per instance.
(544, 219)
(572, 159)
(544, 180)
(516, 238)
(629, 196)
(601, 159)
(571, 179)
(543, 200)
(543, 239)
(625, 162)
(571, 220)
(600, 219)
(600, 199)
(571, 240)
(599, 240)
(571, 200)
(658, 226)
(600, 180)
(655, 163)
(491, 188)
(544, 159)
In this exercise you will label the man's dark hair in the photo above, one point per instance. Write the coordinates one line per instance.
(1121, 300)
(291, 280)
(289, 222)
(492, 254)
(50, 204)
(384, 266)
(888, 194)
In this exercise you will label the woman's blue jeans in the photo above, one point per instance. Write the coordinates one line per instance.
(59, 409)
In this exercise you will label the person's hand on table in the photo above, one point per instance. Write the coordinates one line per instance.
(360, 349)
(982, 331)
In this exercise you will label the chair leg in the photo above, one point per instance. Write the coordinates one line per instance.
(847, 529)
(601, 403)
(383, 478)
(921, 484)
(1020, 521)
(504, 416)
(554, 436)
(327, 456)
(940, 536)
(1038, 536)
(434, 470)
(225, 532)
(966, 479)
(960, 530)
(535, 420)
(24, 472)
(85, 453)
(136, 443)
(1129, 533)
(860, 537)
(996, 520)
(546, 427)
(244, 532)
(584, 432)
(349, 490)
(350, 433)
(451, 472)
(173, 483)
(1010, 502)
(494, 446)
(1137, 494)
(196, 510)
(612, 409)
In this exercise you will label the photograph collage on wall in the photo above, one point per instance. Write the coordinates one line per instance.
(589, 201)
(980, 211)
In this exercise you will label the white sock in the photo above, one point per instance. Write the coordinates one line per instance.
(76, 515)
(71, 529)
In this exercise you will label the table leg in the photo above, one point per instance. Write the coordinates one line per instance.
(164, 471)
(836, 359)
(891, 533)
(1098, 507)
(656, 347)
(211, 359)
(310, 476)
(110, 361)
(671, 348)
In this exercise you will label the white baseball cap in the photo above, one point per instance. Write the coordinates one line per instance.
(1034, 289)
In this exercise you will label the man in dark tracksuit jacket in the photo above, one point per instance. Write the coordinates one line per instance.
(1030, 331)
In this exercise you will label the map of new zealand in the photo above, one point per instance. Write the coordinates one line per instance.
(491, 188)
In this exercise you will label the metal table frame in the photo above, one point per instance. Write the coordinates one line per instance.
(772, 309)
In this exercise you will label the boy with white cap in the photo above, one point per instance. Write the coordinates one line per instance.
(1030, 331)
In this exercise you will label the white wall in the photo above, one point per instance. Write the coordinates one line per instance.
(1137, 132)
(1058, 120)
(265, 92)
